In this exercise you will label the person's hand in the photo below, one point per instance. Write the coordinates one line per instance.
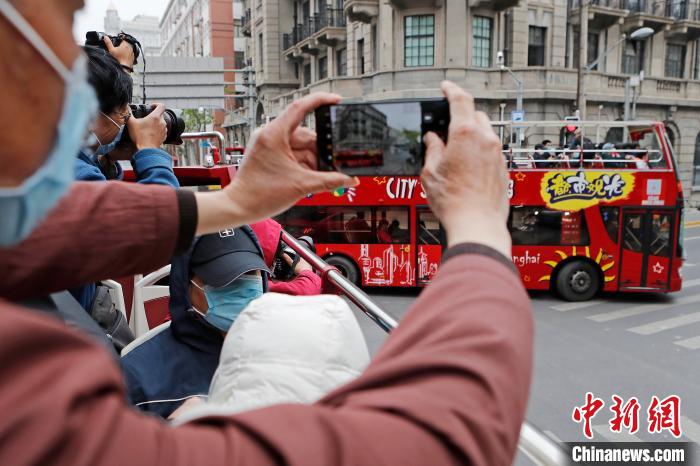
(302, 265)
(279, 168)
(148, 132)
(124, 53)
(466, 181)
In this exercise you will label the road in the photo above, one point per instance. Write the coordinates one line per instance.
(629, 345)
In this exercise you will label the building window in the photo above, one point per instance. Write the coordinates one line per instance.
(632, 57)
(361, 57)
(696, 162)
(341, 61)
(239, 59)
(696, 71)
(419, 40)
(592, 53)
(375, 49)
(307, 74)
(261, 52)
(675, 59)
(481, 37)
(536, 46)
(322, 68)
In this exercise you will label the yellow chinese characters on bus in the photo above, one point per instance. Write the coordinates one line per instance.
(577, 190)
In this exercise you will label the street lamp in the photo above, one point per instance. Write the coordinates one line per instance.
(637, 35)
(500, 59)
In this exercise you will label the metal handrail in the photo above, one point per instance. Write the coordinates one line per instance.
(537, 446)
(221, 140)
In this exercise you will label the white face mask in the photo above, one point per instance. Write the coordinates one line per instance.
(24, 207)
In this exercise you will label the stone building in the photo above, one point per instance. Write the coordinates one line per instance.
(145, 28)
(202, 28)
(380, 49)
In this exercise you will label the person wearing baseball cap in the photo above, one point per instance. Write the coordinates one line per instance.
(209, 287)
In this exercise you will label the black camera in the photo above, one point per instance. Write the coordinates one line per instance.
(173, 121)
(96, 39)
(281, 269)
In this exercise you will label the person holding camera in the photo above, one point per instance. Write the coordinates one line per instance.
(301, 279)
(99, 162)
(449, 386)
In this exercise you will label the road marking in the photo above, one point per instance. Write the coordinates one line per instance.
(691, 238)
(692, 223)
(690, 429)
(643, 309)
(573, 306)
(666, 324)
(690, 343)
(691, 283)
(688, 264)
(624, 436)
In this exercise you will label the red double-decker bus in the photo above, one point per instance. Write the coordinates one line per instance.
(595, 211)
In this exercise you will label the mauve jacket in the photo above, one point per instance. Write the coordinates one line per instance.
(449, 386)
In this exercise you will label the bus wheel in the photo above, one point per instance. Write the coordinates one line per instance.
(346, 267)
(578, 281)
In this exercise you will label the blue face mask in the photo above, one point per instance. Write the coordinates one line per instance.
(226, 303)
(104, 149)
(22, 208)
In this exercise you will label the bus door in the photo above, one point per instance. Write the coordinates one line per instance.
(430, 238)
(647, 248)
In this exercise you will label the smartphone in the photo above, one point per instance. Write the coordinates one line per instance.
(378, 138)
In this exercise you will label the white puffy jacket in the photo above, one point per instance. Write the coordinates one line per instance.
(285, 349)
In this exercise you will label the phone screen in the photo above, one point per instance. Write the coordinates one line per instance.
(377, 138)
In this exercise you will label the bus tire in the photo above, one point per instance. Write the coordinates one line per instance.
(578, 281)
(346, 267)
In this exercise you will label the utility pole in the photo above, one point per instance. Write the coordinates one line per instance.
(582, 57)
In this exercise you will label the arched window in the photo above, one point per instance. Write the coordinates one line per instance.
(696, 162)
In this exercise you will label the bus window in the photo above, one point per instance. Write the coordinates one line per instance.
(428, 228)
(357, 225)
(661, 235)
(536, 226)
(633, 234)
(611, 219)
(348, 225)
(650, 145)
(392, 225)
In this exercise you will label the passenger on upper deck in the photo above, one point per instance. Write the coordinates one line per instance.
(113, 87)
(284, 349)
(450, 385)
(209, 287)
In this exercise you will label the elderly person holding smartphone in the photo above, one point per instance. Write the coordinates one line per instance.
(450, 386)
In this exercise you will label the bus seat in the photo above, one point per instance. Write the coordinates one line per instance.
(127, 285)
(150, 302)
(145, 337)
(117, 292)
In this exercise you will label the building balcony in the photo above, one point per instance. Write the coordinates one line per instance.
(246, 21)
(687, 19)
(601, 13)
(495, 5)
(647, 13)
(404, 4)
(323, 29)
(361, 10)
(330, 27)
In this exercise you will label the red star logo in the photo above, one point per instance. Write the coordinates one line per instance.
(520, 176)
(658, 268)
